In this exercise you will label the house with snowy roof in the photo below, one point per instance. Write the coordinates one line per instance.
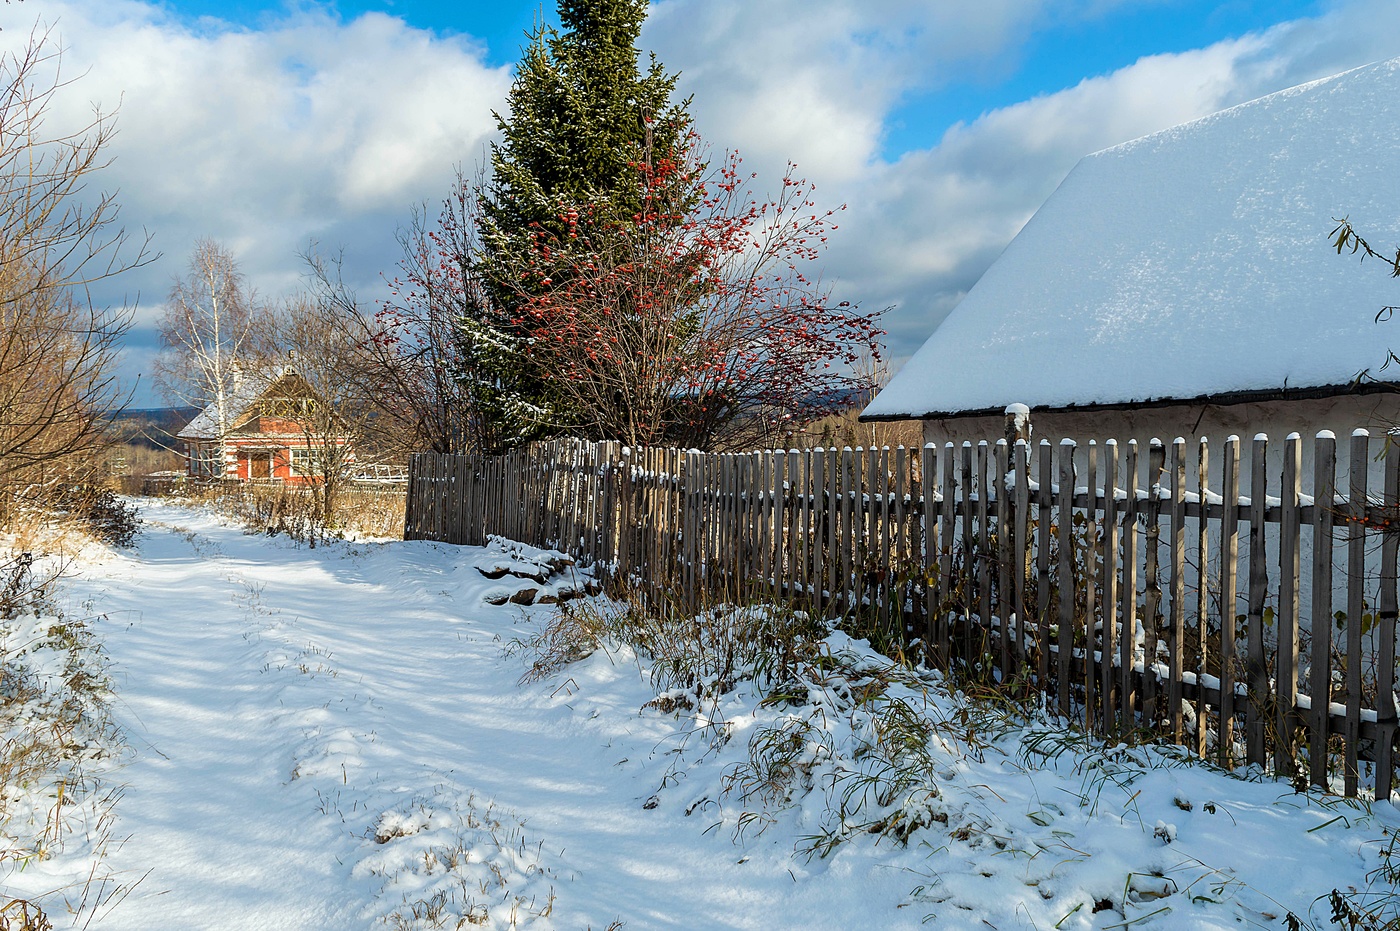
(268, 432)
(1184, 284)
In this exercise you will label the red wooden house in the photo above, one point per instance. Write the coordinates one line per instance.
(263, 439)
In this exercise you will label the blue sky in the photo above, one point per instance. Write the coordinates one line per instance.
(1059, 53)
(941, 125)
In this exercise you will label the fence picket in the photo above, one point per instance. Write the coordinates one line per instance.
(1286, 664)
(1003, 512)
(1064, 521)
(1128, 643)
(1176, 638)
(1045, 493)
(1202, 593)
(1320, 675)
(1356, 603)
(1229, 563)
(1020, 544)
(1109, 587)
(1385, 623)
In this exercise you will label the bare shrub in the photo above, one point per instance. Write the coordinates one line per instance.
(58, 352)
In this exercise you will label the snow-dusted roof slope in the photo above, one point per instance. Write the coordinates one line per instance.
(237, 403)
(1191, 262)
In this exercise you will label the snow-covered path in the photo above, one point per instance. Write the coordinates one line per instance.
(282, 700)
(338, 739)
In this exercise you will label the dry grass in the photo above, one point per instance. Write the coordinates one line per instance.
(296, 512)
(57, 735)
(845, 429)
(875, 770)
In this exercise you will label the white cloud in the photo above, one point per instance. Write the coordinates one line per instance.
(311, 128)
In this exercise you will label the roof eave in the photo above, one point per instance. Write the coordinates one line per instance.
(1222, 400)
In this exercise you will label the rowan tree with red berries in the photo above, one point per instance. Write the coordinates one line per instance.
(696, 320)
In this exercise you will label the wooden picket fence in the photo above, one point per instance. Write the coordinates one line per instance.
(1117, 580)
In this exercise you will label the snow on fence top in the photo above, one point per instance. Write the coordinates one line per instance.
(1191, 262)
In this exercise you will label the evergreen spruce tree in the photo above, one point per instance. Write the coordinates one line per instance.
(583, 113)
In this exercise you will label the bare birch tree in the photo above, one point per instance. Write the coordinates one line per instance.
(335, 411)
(207, 333)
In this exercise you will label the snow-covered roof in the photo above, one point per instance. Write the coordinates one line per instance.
(252, 386)
(1192, 262)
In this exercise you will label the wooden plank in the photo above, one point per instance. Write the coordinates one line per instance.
(969, 553)
(1127, 689)
(1385, 625)
(1152, 582)
(928, 477)
(779, 522)
(796, 479)
(1068, 587)
(1356, 604)
(1176, 645)
(1320, 675)
(733, 551)
(833, 523)
(1286, 662)
(1091, 554)
(804, 533)
(871, 552)
(820, 518)
(766, 521)
(1004, 553)
(1229, 561)
(675, 516)
(898, 570)
(850, 487)
(1256, 672)
(1020, 535)
(687, 530)
(1109, 587)
(1202, 643)
(410, 498)
(1043, 510)
(882, 567)
(984, 542)
(947, 535)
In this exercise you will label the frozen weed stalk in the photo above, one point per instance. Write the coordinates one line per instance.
(57, 735)
(831, 721)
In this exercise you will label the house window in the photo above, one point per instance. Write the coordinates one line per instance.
(287, 408)
(307, 462)
(206, 461)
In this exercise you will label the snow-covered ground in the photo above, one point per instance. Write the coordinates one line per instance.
(340, 738)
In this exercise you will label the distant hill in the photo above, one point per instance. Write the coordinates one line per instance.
(153, 428)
